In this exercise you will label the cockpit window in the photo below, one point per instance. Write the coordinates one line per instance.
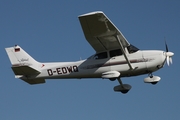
(116, 52)
(113, 53)
(100, 55)
(132, 49)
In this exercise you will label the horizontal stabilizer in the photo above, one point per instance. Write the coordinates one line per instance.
(35, 81)
(24, 70)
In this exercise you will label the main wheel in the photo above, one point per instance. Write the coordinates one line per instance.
(124, 88)
(124, 91)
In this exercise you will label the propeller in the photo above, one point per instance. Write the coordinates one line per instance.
(168, 55)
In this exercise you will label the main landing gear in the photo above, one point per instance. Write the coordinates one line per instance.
(113, 75)
(123, 88)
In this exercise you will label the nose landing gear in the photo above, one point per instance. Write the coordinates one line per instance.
(152, 79)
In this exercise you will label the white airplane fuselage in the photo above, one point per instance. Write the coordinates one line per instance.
(143, 61)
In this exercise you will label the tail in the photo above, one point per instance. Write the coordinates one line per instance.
(23, 65)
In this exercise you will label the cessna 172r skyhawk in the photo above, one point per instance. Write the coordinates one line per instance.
(115, 57)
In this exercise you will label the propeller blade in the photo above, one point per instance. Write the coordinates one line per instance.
(167, 59)
(166, 46)
(168, 54)
(170, 59)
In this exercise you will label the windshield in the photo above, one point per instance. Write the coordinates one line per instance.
(132, 49)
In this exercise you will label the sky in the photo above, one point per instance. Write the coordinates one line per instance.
(49, 30)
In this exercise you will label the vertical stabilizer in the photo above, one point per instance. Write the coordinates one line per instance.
(19, 57)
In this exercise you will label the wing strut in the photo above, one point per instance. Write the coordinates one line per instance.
(124, 53)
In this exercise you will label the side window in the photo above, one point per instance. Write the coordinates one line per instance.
(116, 52)
(100, 55)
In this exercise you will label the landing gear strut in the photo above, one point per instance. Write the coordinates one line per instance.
(123, 88)
(150, 75)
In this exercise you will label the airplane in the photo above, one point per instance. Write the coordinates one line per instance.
(114, 59)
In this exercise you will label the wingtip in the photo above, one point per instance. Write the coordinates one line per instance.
(90, 13)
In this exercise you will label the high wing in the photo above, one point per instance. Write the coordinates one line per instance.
(101, 33)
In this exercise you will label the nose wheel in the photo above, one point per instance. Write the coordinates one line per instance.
(123, 88)
(152, 79)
